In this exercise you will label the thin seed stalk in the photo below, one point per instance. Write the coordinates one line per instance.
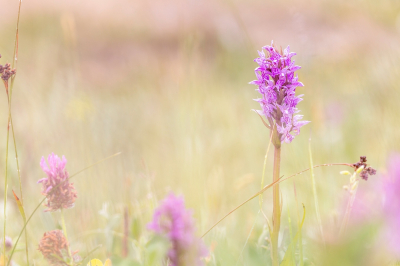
(6, 182)
(353, 191)
(276, 207)
(17, 161)
(18, 169)
(20, 190)
(14, 65)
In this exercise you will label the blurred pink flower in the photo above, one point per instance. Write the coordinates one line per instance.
(9, 243)
(174, 221)
(391, 207)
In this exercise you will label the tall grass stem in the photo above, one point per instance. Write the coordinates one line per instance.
(353, 191)
(248, 237)
(314, 189)
(6, 181)
(301, 263)
(281, 179)
(14, 65)
(263, 173)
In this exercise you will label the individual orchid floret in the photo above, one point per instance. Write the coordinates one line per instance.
(175, 222)
(277, 84)
(60, 193)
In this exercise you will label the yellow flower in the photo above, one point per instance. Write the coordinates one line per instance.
(96, 262)
(5, 260)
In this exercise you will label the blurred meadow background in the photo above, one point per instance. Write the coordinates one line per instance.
(166, 84)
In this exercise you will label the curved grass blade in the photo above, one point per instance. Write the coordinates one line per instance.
(20, 206)
(301, 262)
(288, 259)
(14, 65)
(248, 237)
(270, 185)
(314, 189)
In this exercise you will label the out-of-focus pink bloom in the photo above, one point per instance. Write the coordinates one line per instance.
(175, 222)
(56, 187)
(391, 207)
(9, 243)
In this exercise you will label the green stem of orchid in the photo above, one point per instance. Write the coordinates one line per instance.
(276, 207)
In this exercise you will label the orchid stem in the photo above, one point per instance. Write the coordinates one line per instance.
(276, 207)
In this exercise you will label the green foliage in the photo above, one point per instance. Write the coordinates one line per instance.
(352, 249)
(289, 258)
(136, 228)
(156, 250)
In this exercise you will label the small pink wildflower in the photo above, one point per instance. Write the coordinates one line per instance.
(56, 187)
(175, 222)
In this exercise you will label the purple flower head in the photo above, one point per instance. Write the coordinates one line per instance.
(56, 187)
(391, 188)
(277, 84)
(172, 220)
(53, 247)
(9, 243)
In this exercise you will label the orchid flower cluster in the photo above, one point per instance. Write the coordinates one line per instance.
(175, 222)
(277, 84)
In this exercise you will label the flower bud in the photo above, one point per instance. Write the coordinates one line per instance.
(359, 169)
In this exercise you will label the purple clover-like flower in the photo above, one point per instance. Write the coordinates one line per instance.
(9, 243)
(277, 84)
(60, 193)
(174, 221)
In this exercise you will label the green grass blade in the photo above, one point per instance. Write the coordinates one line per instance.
(291, 237)
(314, 189)
(269, 186)
(247, 239)
(301, 258)
(288, 259)
(263, 173)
